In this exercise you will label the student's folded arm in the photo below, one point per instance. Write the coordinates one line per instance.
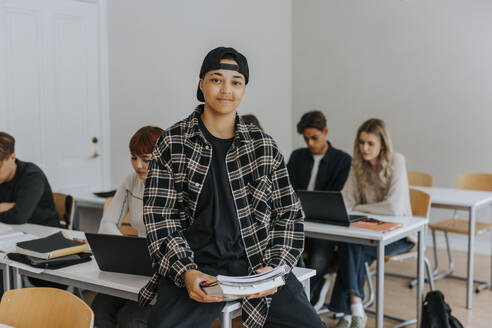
(287, 231)
(396, 199)
(30, 193)
(170, 252)
(117, 210)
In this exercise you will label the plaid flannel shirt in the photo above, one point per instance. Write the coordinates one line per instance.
(269, 213)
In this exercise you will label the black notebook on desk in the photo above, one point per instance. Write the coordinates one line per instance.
(123, 254)
(52, 246)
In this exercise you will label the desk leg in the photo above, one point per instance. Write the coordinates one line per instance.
(17, 278)
(307, 288)
(380, 287)
(471, 256)
(225, 320)
(6, 277)
(420, 274)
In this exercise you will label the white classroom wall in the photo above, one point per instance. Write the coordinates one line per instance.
(156, 49)
(425, 67)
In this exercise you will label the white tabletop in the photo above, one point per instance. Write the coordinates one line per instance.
(409, 226)
(44, 231)
(457, 197)
(89, 273)
(303, 273)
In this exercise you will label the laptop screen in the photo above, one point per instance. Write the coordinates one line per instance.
(324, 206)
(123, 254)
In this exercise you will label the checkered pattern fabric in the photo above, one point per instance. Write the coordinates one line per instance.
(269, 213)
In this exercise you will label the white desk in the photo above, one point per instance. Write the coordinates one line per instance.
(88, 276)
(85, 275)
(467, 200)
(379, 239)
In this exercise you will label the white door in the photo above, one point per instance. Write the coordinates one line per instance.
(54, 90)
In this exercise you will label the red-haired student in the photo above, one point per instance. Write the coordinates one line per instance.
(128, 197)
(112, 311)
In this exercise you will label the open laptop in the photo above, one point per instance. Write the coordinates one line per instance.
(123, 254)
(326, 207)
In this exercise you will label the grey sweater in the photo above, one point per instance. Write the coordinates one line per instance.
(394, 201)
(128, 199)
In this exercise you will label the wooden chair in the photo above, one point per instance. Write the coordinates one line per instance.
(467, 181)
(420, 202)
(44, 308)
(65, 207)
(416, 178)
(125, 227)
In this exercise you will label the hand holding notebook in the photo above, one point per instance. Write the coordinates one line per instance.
(232, 288)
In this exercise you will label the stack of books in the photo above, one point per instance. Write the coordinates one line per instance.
(54, 251)
(53, 246)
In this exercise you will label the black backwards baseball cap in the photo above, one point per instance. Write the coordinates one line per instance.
(212, 62)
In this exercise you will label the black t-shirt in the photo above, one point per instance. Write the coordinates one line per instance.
(215, 236)
(32, 195)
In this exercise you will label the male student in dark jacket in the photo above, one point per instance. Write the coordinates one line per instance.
(218, 200)
(319, 166)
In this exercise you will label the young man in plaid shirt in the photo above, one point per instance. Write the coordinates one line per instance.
(218, 200)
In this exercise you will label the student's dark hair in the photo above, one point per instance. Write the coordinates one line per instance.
(7, 145)
(313, 119)
(250, 118)
(143, 141)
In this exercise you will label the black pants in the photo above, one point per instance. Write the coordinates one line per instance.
(174, 309)
(351, 271)
(111, 312)
(320, 258)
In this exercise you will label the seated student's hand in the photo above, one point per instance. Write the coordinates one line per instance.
(192, 279)
(6, 206)
(266, 292)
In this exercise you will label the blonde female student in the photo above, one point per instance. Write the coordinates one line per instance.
(112, 311)
(377, 183)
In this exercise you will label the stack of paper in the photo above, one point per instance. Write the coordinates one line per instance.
(8, 241)
(232, 288)
(5, 228)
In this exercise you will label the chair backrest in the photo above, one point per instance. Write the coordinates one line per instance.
(475, 181)
(65, 207)
(416, 178)
(420, 202)
(44, 307)
(125, 227)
